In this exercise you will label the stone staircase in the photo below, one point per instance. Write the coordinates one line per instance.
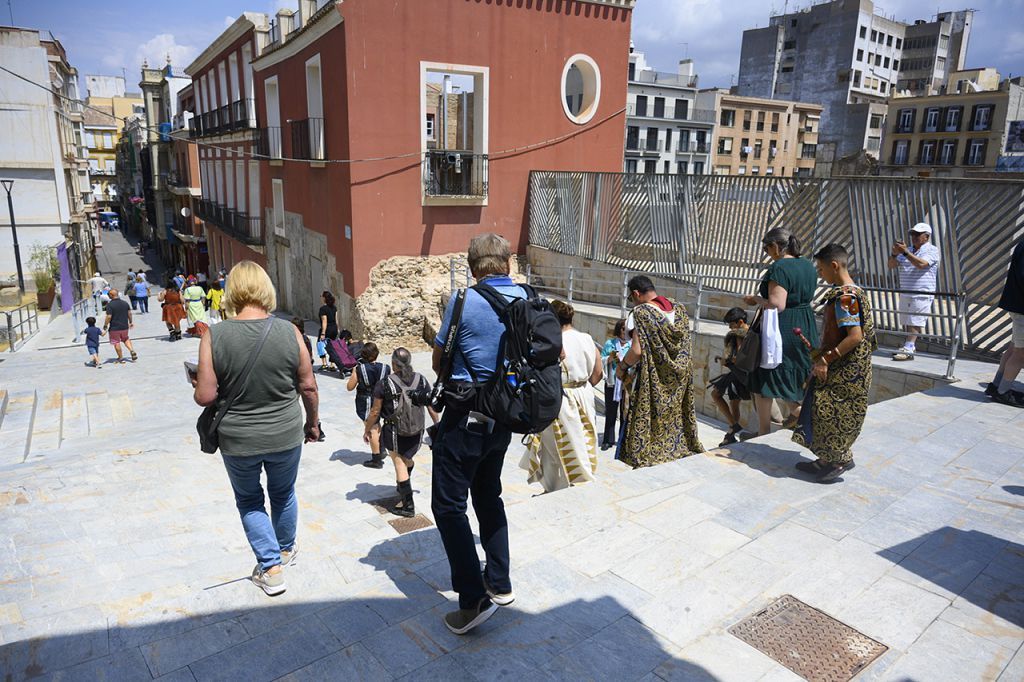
(36, 422)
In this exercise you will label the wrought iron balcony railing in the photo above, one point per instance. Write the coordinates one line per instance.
(454, 173)
(268, 142)
(308, 139)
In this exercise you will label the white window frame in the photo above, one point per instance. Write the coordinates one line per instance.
(976, 147)
(902, 153)
(277, 194)
(929, 125)
(273, 115)
(982, 114)
(908, 116)
(315, 105)
(591, 87)
(947, 158)
(429, 126)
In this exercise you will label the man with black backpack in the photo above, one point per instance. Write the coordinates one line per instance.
(497, 374)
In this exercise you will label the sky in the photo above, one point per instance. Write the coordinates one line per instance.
(104, 38)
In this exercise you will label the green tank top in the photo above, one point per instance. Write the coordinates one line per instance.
(266, 417)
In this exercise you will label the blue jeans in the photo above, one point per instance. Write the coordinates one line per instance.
(267, 535)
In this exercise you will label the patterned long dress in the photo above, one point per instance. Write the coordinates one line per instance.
(834, 410)
(662, 422)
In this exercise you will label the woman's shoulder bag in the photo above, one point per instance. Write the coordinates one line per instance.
(209, 420)
(748, 357)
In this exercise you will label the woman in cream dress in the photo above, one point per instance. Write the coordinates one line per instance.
(565, 453)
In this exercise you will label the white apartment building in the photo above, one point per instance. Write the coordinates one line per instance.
(665, 131)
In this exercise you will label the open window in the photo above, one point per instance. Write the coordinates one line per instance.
(453, 133)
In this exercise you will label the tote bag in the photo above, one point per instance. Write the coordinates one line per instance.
(771, 339)
(748, 357)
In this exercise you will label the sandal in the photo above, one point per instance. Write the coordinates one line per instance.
(790, 423)
(810, 467)
(830, 473)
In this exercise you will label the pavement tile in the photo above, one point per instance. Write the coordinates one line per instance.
(674, 514)
(871, 612)
(957, 653)
(123, 666)
(624, 650)
(400, 598)
(685, 614)
(271, 655)
(789, 545)
(443, 669)
(1014, 670)
(352, 620)
(353, 663)
(717, 657)
(514, 645)
(608, 546)
(172, 653)
(411, 644)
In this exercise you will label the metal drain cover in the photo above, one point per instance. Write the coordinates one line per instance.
(403, 525)
(809, 642)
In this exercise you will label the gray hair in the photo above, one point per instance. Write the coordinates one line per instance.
(785, 239)
(401, 363)
(489, 254)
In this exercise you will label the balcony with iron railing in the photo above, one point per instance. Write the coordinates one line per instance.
(694, 115)
(268, 142)
(454, 173)
(662, 78)
(693, 147)
(243, 227)
(308, 139)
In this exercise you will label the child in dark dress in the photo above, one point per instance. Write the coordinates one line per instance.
(732, 382)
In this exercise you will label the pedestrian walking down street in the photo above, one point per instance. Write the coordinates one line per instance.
(731, 383)
(400, 399)
(129, 289)
(364, 378)
(661, 425)
(98, 284)
(215, 296)
(612, 352)
(92, 341)
(469, 448)
(918, 267)
(565, 453)
(194, 298)
(173, 310)
(119, 323)
(263, 430)
(1012, 301)
(141, 292)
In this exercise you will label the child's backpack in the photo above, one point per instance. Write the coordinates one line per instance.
(407, 403)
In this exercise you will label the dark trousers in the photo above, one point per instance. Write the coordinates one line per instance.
(611, 411)
(466, 461)
(143, 303)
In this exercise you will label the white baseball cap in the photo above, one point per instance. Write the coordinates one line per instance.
(922, 227)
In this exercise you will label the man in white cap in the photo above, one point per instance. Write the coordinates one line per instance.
(918, 266)
(98, 284)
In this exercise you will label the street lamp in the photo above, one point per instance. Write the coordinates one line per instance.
(8, 184)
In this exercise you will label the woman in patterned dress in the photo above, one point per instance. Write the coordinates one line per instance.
(565, 453)
(661, 423)
(837, 398)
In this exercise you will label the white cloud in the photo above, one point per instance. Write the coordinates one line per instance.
(157, 49)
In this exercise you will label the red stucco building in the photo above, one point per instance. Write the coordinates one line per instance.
(404, 127)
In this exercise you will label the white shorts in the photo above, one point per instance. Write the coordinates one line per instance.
(914, 310)
(1018, 329)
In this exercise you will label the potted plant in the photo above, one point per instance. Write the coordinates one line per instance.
(45, 270)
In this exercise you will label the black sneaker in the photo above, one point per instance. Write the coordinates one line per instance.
(729, 439)
(830, 473)
(1011, 398)
(462, 621)
(991, 390)
(809, 467)
(374, 463)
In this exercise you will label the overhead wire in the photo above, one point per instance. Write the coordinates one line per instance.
(233, 151)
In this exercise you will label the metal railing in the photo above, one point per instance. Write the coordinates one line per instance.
(308, 139)
(712, 226)
(708, 298)
(664, 78)
(243, 227)
(22, 324)
(268, 142)
(243, 114)
(454, 173)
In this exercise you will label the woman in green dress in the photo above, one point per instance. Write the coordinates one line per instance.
(788, 286)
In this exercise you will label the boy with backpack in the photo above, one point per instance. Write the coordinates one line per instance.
(400, 398)
(732, 381)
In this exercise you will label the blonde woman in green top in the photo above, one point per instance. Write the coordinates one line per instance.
(194, 298)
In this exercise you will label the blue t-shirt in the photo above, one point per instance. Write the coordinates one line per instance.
(92, 336)
(480, 331)
(141, 290)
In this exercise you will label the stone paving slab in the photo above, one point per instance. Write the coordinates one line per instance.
(125, 558)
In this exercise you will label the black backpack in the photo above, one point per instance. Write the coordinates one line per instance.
(525, 393)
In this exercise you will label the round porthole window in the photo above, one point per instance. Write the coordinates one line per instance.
(581, 88)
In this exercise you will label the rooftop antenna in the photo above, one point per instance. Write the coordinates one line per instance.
(686, 50)
(10, 8)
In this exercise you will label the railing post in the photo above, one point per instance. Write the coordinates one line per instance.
(954, 343)
(572, 275)
(625, 294)
(10, 334)
(696, 308)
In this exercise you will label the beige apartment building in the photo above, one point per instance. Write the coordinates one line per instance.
(956, 134)
(758, 136)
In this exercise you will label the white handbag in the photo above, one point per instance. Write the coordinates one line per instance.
(771, 339)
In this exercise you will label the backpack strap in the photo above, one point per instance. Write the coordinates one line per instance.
(447, 351)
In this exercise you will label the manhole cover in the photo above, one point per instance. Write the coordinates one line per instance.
(403, 525)
(810, 643)
(383, 503)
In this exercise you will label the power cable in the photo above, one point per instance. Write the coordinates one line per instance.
(232, 151)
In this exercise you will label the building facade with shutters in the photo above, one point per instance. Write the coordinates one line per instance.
(952, 135)
(757, 136)
(666, 131)
(362, 170)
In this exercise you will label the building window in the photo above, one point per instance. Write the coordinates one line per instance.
(681, 168)
(931, 120)
(899, 43)
(863, 31)
(430, 127)
(976, 152)
(883, 86)
(727, 118)
(888, 41)
(682, 109)
(632, 71)
(668, 141)
(666, 167)
(899, 152)
(905, 123)
(641, 105)
(895, 65)
(725, 145)
(874, 36)
(953, 115)
(878, 60)
(278, 198)
(789, 45)
(786, 69)
(581, 88)
(808, 151)
(742, 170)
(981, 119)
(652, 140)
(775, 122)
(885, 62)
(631, 165)
(650, 167)
(755, 170)
(926, 155)
(860, 55)
(760, 121)
(770, 170)
(948, 155)
(659, 107)
(633, 137)
(856, 78)
(455, 168)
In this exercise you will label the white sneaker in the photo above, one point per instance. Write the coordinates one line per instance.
(499, 598)
(288, 556)
(271, 583)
